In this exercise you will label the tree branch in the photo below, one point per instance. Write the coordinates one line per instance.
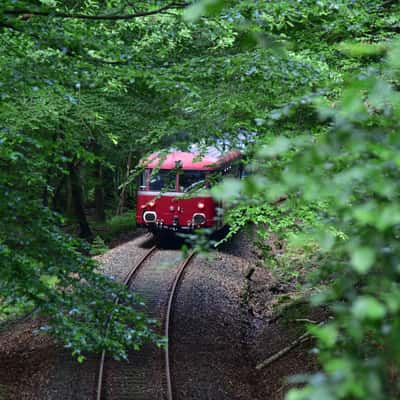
(7, 26)
(285, 350)
(276, 356)
(29, 13)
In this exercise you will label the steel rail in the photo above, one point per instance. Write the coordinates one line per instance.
(126, 281)
(171, 299)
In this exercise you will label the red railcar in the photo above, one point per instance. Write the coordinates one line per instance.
(168, 198)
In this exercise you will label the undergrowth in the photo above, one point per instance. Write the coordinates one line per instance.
(276, 225)
(114, 226)
(10, 311)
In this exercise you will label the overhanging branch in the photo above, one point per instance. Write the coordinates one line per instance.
(7, 26)
(30, 13)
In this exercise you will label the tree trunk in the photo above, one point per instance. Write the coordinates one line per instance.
(77, 199)
(59, 202)
(122, 197)
(45, 193)
(69, 208)
(99, 194)
(45, 197)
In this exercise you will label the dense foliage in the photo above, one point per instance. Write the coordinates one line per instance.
(77, 111)
(89, 87)
(344, 160)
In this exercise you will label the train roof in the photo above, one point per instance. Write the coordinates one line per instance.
(195, 160)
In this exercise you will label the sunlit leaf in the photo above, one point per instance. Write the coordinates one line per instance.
(367, 307)
(362, 259)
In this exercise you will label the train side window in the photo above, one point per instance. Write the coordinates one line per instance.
(231, 171)
(142, 180)
(214, 177)
(190, 180)
(227, 171)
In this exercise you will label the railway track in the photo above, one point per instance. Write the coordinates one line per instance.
(147, 375)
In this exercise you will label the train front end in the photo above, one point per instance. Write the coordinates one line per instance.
(165, 198)
(174, 213)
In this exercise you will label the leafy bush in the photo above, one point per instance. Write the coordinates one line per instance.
(97, 247)
(353, 169)
(351, 165)
(121, 223)
(114, 226)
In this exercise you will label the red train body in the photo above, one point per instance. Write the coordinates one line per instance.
(164, 201)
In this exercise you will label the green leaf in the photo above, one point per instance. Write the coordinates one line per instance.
(228, 190)
(114, 138)
(278, 146)
(49, 280)
(362, 259)
(338, 364)
(394, 55)
(327, 334)
(367, 307)
(202, 8)
(363, 49)
(326, 240)
(49, 3)
(81, 359)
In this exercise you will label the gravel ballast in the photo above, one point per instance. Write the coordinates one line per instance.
(223, 325)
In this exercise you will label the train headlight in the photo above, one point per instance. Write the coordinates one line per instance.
(199, 219)
(200, 205)
(151, 203)
(150, 217)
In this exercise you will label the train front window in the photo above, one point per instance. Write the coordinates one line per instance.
(163, 180)
(191, 180)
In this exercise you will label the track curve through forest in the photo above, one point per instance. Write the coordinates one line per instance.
(213, 347)
(146, 375)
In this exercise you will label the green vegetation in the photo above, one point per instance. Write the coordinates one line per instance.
(10, 312)
(114, 226)
(111, 228)
(98, 246)
(338, 146)
(87, 88)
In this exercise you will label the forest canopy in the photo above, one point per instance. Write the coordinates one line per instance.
(87, 88)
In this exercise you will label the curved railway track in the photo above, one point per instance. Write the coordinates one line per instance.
(147, 376)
